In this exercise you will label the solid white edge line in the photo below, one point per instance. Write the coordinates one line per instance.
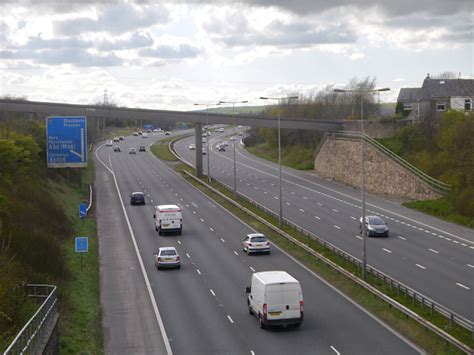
(142, 266)
(333, 288)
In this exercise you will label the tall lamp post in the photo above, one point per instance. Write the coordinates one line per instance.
(233, 142)
(362, 172)
(207, 140)
(279, 99)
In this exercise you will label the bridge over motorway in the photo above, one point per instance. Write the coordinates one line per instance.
(99, 114)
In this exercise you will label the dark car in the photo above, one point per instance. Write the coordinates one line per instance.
(142, 148)
(137, 198)
(375, 226)
(116, 148)
(221, 148)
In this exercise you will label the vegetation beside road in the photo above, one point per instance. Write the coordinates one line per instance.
(444, 151)
(406, 326)
(296, 157)
(39, 210)
(161, 150)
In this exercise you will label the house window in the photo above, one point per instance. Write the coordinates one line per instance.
(441, 106)
(407, 107)
(468, 104)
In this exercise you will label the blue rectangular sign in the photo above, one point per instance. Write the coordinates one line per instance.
(82, 210)
(66, 138)
(82, 244)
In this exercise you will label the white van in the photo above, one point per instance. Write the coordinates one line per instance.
(144, 135)
(275, 297)
(168, 218)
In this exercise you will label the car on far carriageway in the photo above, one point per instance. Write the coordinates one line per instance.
(256, 243)
(137, 198)
(167, 257)
(376, 227)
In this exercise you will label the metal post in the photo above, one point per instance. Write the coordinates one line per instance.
(362, 178)
(235, 168)
(207, 145)
(280, 219)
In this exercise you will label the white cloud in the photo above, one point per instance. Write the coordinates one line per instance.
(356, 56)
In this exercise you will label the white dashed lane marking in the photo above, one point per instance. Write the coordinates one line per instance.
(433, 251)
(317, 217)
(386, 250)
(337, 227)
(472, 266)
(251, 268)
(212, 292)
(198, 271)
(402, 238)
(230, 319)
(421, 266)
(236, 253)
(463, 286)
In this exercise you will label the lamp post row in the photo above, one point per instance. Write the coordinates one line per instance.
(362, 160)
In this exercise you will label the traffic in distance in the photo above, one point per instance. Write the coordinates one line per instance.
(248, 281)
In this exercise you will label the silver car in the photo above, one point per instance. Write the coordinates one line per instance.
(375, 226)
(167, 257)
(256, 243)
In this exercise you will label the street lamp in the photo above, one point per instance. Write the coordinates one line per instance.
(279, 99)
(233, 142)
(362, 173)
(207, 140)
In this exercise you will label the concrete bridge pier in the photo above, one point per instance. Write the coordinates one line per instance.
(198, 137)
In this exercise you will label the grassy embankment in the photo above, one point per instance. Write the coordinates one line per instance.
(80, 319)
(295, 157)
(397, 320)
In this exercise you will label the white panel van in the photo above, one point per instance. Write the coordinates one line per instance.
(168, 218)
(275, 297)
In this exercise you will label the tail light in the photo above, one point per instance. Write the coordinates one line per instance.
(301, 308)
(177, 258)
(265, 311)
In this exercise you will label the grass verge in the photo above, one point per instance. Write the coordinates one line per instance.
(161, 150)
(296, 157)
(442, 208)
(396, 319)
(80, 328)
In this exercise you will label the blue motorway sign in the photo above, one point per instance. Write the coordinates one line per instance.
(82, 244)
(66, 138)
(82, 210)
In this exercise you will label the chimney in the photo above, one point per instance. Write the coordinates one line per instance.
(428, 76)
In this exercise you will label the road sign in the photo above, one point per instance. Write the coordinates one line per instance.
(82, 244)
(82, 210)
(66, 138)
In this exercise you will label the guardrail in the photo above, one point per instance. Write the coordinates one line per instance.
(441, 333)
(33, 337)
(436, 184)
(400, 287)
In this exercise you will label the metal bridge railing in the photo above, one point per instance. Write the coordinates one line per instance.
(33, 335)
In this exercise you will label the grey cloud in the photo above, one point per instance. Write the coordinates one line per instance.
(138, 40)
(116, 18)
(79, 57)
(56, 43)
(169, 52)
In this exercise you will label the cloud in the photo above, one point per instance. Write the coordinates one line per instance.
(171, 52)
(115, 19)
(356, 56)
(137, 40)
(235, 30)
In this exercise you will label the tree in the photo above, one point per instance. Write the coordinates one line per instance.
(445, 75)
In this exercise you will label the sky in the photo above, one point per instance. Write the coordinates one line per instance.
(170, 55)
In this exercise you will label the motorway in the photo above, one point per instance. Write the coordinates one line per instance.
(202, 307)
(432, 256)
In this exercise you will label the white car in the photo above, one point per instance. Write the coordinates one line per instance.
(232, 138)
(225, 143)
(167, 257)
(256, 243)
(204, 140)
(220, 130)
(144, 135)
(192, 146)
(109, 143)
(132, 151)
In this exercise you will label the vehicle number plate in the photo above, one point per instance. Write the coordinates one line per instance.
(168, 259)
(275, 313)
(166, 224)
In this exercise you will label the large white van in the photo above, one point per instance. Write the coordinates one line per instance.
(168, 218)
(275, 297)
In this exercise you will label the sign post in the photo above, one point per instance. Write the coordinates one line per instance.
(66, 138)
(82, 246)
(82, 211)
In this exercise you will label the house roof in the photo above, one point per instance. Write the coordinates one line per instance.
(433, 88)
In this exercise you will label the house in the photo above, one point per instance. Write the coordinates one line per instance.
(436, 96)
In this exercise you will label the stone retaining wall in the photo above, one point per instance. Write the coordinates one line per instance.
(339, 160)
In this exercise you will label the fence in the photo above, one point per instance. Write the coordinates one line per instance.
(436, 184)
(35, 335)
(407, 291)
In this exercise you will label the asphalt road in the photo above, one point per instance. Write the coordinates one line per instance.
(203, 305)
(430, 255)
